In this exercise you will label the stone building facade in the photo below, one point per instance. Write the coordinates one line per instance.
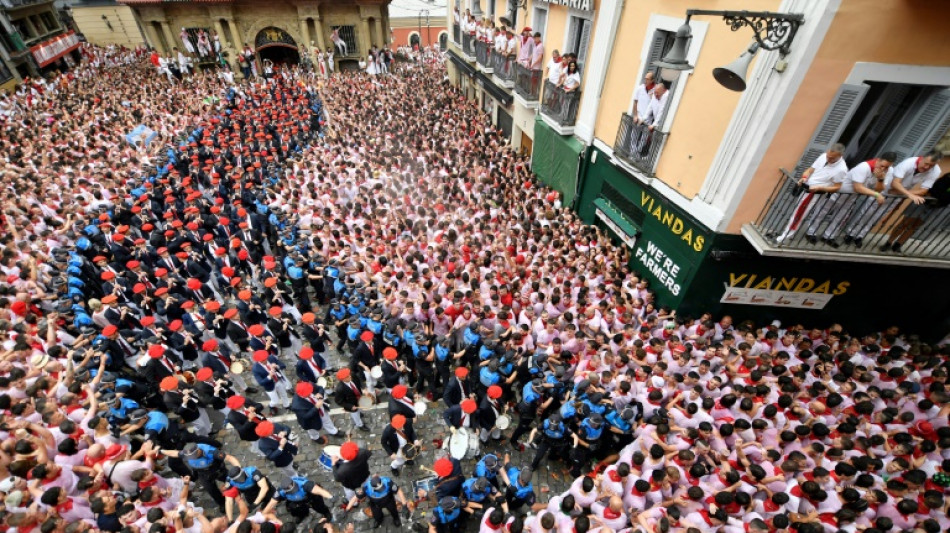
(286, 27)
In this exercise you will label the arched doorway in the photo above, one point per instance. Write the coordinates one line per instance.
(277, 45)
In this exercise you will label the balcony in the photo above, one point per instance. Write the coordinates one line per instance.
(483, 56)
(527, 84)
(502, 69)
(468, 46)
(850, 227)
(457, 35)
(16, 4)
(637, 146)
(559, 108)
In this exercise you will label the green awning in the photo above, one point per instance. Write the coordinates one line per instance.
(626, 230)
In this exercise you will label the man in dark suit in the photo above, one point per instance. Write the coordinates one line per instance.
(310, 366)
(183, 401)
(268, 373)
(351, 469)
(244, 416)
(461, 415)
(396, 435)
(237, 330)
(401, 404)
(391, 368)
(309, 411)
(487, 414)
(457, 389)
(277, 447)
(347, 395)
(365, 357)
(159, 365)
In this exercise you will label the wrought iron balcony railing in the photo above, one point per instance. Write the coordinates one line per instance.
(560, 105)
(795, 218)
(638, 146)
(527, 82)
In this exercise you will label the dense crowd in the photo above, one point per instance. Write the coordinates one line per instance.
(157, 291)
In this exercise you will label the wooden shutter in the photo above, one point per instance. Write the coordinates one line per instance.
(658, 48)
(925, 126)
(836, 118)
(583, 40)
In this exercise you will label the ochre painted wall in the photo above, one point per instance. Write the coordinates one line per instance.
(705, 109)
(124, 32)
(911, 32)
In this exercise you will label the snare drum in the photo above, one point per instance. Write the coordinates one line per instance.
(502, 422)
(420, 407)
(458, 444)
(376, 372)
(327, 455)
(237, 367)
(322, 382)
(366, 401)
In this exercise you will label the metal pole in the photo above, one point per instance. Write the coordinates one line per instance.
(428, 30)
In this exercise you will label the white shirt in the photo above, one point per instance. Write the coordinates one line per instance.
(554, 71)
(643, 97)
(906, 170)
(657, 105)
(861, 173)
(824, 174)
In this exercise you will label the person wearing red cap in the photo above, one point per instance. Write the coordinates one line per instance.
(461, 416)
(351, 468)
(488, 411)
(347, 394)
(458, 388)
(309, 408)
(277, 445)
(160, 365)
(268, 373)
(366, 357)
(310, 365)
(180, 398)
(396, 436)
(449, 472)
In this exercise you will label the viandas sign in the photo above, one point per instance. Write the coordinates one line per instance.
(669, 246)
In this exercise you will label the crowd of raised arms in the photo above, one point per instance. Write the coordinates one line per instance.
(187, 261)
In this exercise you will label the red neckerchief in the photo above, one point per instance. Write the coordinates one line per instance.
(610, 514)
(65, 506)
(47, 481)
(614, 476)
(770, 506)
(153, 503)
(145, 484)
(705, 515)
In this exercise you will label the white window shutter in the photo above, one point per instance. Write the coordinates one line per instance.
(583, 42)
(836, 119)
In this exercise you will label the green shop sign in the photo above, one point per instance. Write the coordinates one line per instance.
(666, 245)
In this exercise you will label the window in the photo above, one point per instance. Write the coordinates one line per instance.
(579, 40)
(5, 73)
(443, 41)
(414, 40)
(539, 20)
(662, 42)
(348, 35)
(49, 20)
(875, 117)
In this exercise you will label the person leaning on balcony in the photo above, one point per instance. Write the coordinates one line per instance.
(912, 178)
(572, 78)
(527, 47)
(511, 44)
(501, 41)
(537, 54)
(642, 96)
(823, 176)
(555, 67)
(860, 189)
(661, 94)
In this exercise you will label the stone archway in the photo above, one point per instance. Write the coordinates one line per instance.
(276, 44)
